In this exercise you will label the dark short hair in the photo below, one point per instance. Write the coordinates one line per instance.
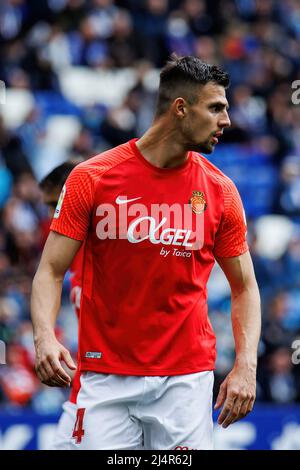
(57, 177)
(181, 76)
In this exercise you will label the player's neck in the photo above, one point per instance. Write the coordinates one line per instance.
(160, 147)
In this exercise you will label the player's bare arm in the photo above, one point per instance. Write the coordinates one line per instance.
(57, 256)
(237, 392)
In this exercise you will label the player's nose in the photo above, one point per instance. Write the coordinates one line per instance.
(225, 120)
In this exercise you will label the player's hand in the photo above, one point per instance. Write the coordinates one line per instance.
(49, 354)
(236, 395)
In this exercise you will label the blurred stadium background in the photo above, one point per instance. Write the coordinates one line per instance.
(80, 77)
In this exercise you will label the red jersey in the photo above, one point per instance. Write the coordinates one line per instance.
(144, 296)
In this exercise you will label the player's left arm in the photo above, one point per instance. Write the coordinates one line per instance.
(237, 392)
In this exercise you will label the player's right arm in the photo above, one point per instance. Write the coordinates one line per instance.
(57, 256)
(69, 228)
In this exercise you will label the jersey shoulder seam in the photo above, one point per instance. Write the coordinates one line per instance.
(110, 168)
(89, 165)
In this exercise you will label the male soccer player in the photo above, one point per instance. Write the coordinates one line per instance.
(51, 186)
(154, 215)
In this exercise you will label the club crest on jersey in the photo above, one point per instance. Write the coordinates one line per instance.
(198, 202)
(60, 202)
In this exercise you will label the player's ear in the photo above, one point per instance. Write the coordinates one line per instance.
(179, 107)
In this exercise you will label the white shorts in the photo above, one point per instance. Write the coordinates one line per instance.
(133, 412)
(64, 430)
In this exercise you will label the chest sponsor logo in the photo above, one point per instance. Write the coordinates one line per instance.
(168, 236)
(160, 224)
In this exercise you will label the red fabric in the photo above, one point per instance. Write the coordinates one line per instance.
(143, 313)
(19, 385)
(45, 229)
(75, 387)
(230, 238)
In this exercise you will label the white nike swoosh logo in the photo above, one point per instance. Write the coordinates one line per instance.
(125, 201)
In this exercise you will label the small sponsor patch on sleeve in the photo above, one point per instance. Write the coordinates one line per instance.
(60, 202)
(93, 355)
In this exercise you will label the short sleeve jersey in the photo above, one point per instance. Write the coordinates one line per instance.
(151, 238)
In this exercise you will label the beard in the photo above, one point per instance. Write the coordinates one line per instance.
(202, 147)
(189, 133)
(206, 146)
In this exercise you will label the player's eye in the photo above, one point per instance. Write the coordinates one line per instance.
(216, 108)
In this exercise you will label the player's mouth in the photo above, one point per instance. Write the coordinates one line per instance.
(215, 137)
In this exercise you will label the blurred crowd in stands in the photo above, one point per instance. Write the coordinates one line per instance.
(81, 76)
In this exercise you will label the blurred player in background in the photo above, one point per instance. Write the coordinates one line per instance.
(146, 345)
(51, 187)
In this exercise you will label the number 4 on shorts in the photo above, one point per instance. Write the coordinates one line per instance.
(78, 431)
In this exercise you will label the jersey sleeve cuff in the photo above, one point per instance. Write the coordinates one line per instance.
(68, 233)
(233, 252)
